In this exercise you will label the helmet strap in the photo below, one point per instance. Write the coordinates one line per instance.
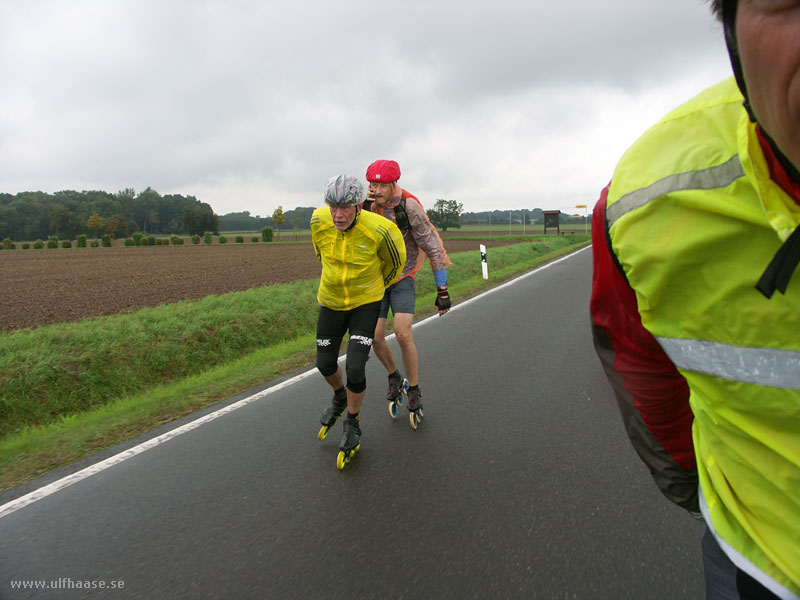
(729, 26)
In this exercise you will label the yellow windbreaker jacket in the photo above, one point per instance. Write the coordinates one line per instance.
(358, 264)
(693, 219)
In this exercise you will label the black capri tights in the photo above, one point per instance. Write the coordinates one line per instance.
(331, 327)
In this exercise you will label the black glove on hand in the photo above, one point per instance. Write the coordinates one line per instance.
(443, 298)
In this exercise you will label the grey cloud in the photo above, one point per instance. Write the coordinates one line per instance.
(244, 99)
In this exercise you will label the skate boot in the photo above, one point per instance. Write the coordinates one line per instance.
(351, 442)
(415, 410)
(394, 395)
(330, 414)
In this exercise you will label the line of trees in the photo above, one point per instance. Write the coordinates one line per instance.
(299, 218)
(67, 214)
(532, 217)
(444, 214)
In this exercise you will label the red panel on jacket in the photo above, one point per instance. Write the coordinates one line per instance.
(659, 391)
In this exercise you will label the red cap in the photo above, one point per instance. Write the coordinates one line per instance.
(383, 171)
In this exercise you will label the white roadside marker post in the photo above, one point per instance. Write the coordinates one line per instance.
(484, 266)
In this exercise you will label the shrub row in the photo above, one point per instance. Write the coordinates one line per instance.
(136, 240)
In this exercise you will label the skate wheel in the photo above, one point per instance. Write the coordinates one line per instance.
(414, 419)
(345, 456)
(421, 413)
(393, 410)
(403, 392)
(323, 432)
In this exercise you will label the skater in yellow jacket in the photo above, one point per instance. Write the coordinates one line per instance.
(361, 254)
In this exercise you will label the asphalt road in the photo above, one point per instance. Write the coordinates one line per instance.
(520, 483)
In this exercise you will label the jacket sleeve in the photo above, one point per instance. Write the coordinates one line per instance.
(426, 236)
(653, 397)
(391, 251)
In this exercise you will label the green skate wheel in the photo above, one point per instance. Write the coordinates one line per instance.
(323, 432)
(393, 410)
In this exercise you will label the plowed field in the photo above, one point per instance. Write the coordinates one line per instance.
(42, 287)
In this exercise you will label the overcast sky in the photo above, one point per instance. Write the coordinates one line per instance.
(247, 105)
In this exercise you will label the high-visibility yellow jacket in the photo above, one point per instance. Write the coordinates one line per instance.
(358, 264)
(692, 218)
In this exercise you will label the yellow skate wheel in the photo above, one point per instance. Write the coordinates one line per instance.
(323, 432)
(393, 410)
(412, 418)
(341, 461)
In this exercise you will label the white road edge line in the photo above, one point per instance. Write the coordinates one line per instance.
(52, 488)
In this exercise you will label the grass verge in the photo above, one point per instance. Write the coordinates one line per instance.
(154, 386)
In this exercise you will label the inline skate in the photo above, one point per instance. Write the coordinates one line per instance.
(351, 442)
(398, 386)
(331, 414)
(415, 410)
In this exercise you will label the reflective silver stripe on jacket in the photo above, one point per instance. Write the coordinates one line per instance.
(703, 179)
(762, 366)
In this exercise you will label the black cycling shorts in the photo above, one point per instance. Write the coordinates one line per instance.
(331, 327)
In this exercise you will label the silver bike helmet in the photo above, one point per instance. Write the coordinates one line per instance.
(342, 190)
